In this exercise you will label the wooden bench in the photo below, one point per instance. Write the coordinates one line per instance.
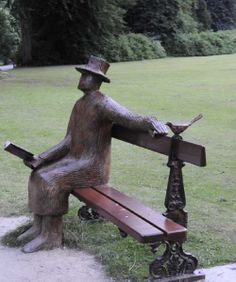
(142, 223)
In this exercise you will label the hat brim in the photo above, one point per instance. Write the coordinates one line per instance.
(84, 69)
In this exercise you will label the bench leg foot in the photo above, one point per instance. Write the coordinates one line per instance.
(174, 262)
(86, 213)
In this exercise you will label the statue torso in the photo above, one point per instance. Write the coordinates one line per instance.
(90, 130)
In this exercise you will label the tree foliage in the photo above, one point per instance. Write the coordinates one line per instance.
(68, 31)
(205, 43)
(163, 19)
(202, 15)
(223, 14)
(9, 37)
(155, 18)
(133, 47)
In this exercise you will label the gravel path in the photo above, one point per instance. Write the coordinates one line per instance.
(66, 265)
(59, 265)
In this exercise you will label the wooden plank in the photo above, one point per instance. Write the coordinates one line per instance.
(191, 153)
(123, 218)
(173, 230)
(187, 152)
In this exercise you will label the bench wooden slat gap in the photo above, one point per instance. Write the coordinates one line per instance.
(130, 223)
(173, 230)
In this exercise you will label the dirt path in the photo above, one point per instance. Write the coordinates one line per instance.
(60, 265)
(65, 265)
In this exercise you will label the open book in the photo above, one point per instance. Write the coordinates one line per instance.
(18, 151)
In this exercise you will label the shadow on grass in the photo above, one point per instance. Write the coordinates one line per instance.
(10, 239)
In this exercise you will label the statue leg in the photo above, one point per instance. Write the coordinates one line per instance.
(34, 230)
(50, 236)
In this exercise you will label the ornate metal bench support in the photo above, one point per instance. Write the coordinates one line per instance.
(175, 195)
(174, 262)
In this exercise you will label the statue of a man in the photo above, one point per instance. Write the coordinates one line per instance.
(81, 159)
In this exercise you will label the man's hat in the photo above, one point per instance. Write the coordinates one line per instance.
(97, 66)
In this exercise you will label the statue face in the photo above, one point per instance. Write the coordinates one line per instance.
(89, 81)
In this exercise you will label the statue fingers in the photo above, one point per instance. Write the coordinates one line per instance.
(160, 127)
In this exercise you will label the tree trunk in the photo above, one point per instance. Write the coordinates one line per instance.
(26, 43)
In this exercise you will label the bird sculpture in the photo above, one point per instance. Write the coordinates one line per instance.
(178, 128)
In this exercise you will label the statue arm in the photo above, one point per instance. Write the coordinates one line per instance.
(58, 151)
(118, 114)
(54, 153)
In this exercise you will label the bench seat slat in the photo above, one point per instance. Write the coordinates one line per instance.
(173, 230)
(130, 223)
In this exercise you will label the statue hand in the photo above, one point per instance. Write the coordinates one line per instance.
(157, 127)
(34, 163)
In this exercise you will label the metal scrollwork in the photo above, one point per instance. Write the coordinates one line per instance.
(176, 195)
(174, 262)
(86, 213)
(175, 200)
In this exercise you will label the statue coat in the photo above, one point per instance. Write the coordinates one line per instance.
(83, 157)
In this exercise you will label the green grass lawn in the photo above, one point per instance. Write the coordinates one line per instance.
(35, 104)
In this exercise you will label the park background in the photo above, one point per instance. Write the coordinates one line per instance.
(68, 31)
(178, 81)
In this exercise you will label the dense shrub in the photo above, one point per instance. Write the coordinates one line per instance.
(9, 38)
(205, 43)
(163, 19)
(132, 47)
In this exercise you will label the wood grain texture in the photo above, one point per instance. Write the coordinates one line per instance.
(173, 230)
(187, 152)
(130, 223)
(142, 223)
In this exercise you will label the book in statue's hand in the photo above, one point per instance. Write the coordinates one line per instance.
(18, 151)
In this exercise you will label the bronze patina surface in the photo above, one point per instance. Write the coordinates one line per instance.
(81, 159)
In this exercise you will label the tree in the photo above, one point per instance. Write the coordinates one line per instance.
(223, 14)
(67, 31)
(186, 22)
(202, 15)
(9, 37)
(155, 18)
(21, 10)
(162, 19)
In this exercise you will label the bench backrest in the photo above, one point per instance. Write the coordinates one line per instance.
(187, 152)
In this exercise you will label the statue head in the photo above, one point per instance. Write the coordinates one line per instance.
(97, 66)
(93, 74)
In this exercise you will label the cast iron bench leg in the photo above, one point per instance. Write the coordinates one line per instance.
(174, 262)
